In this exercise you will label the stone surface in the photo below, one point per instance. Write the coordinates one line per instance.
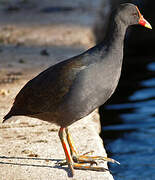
(29, 148)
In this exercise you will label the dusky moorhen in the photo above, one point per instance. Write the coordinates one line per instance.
(72, 89)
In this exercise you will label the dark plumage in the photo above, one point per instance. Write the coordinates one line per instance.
(70, 90)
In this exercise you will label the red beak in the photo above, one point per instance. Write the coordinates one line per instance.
(143, 22)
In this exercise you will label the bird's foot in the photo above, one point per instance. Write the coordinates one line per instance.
(92, 159)
(84, 162)
(84, 166)
(86, 157)
(76, 161)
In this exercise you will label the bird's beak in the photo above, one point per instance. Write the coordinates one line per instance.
(144, 22)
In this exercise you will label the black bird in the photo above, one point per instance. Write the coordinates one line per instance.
(72, 89)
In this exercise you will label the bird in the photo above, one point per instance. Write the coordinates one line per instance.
(70, 90)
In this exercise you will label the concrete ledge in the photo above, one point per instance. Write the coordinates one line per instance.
(30, 149)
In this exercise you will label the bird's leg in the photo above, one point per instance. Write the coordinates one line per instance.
(72, 147)
(76, 157)
(81, 160)
(69, 160)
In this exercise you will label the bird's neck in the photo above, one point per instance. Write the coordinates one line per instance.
(115, 35)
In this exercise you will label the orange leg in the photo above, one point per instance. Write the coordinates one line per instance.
(69, 160)
(76, 161)
(85, 158)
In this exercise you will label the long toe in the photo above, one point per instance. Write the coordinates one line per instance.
(84, 166)
(92, 159)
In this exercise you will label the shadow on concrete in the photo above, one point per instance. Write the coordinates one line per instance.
(35, 165)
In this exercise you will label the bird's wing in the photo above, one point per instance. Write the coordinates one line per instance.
(45, 92)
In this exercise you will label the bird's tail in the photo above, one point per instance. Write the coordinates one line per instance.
(7, 117)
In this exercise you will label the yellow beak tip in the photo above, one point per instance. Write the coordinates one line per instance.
(148, 26)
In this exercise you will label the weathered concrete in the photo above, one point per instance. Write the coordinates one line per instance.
(29, 148)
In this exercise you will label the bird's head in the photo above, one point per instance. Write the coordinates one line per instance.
(129, 14)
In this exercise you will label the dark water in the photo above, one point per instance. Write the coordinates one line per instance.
(129, 122)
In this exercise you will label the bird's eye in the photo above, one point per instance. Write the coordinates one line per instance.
(134, 14)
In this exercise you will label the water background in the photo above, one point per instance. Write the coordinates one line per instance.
(128, 121)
